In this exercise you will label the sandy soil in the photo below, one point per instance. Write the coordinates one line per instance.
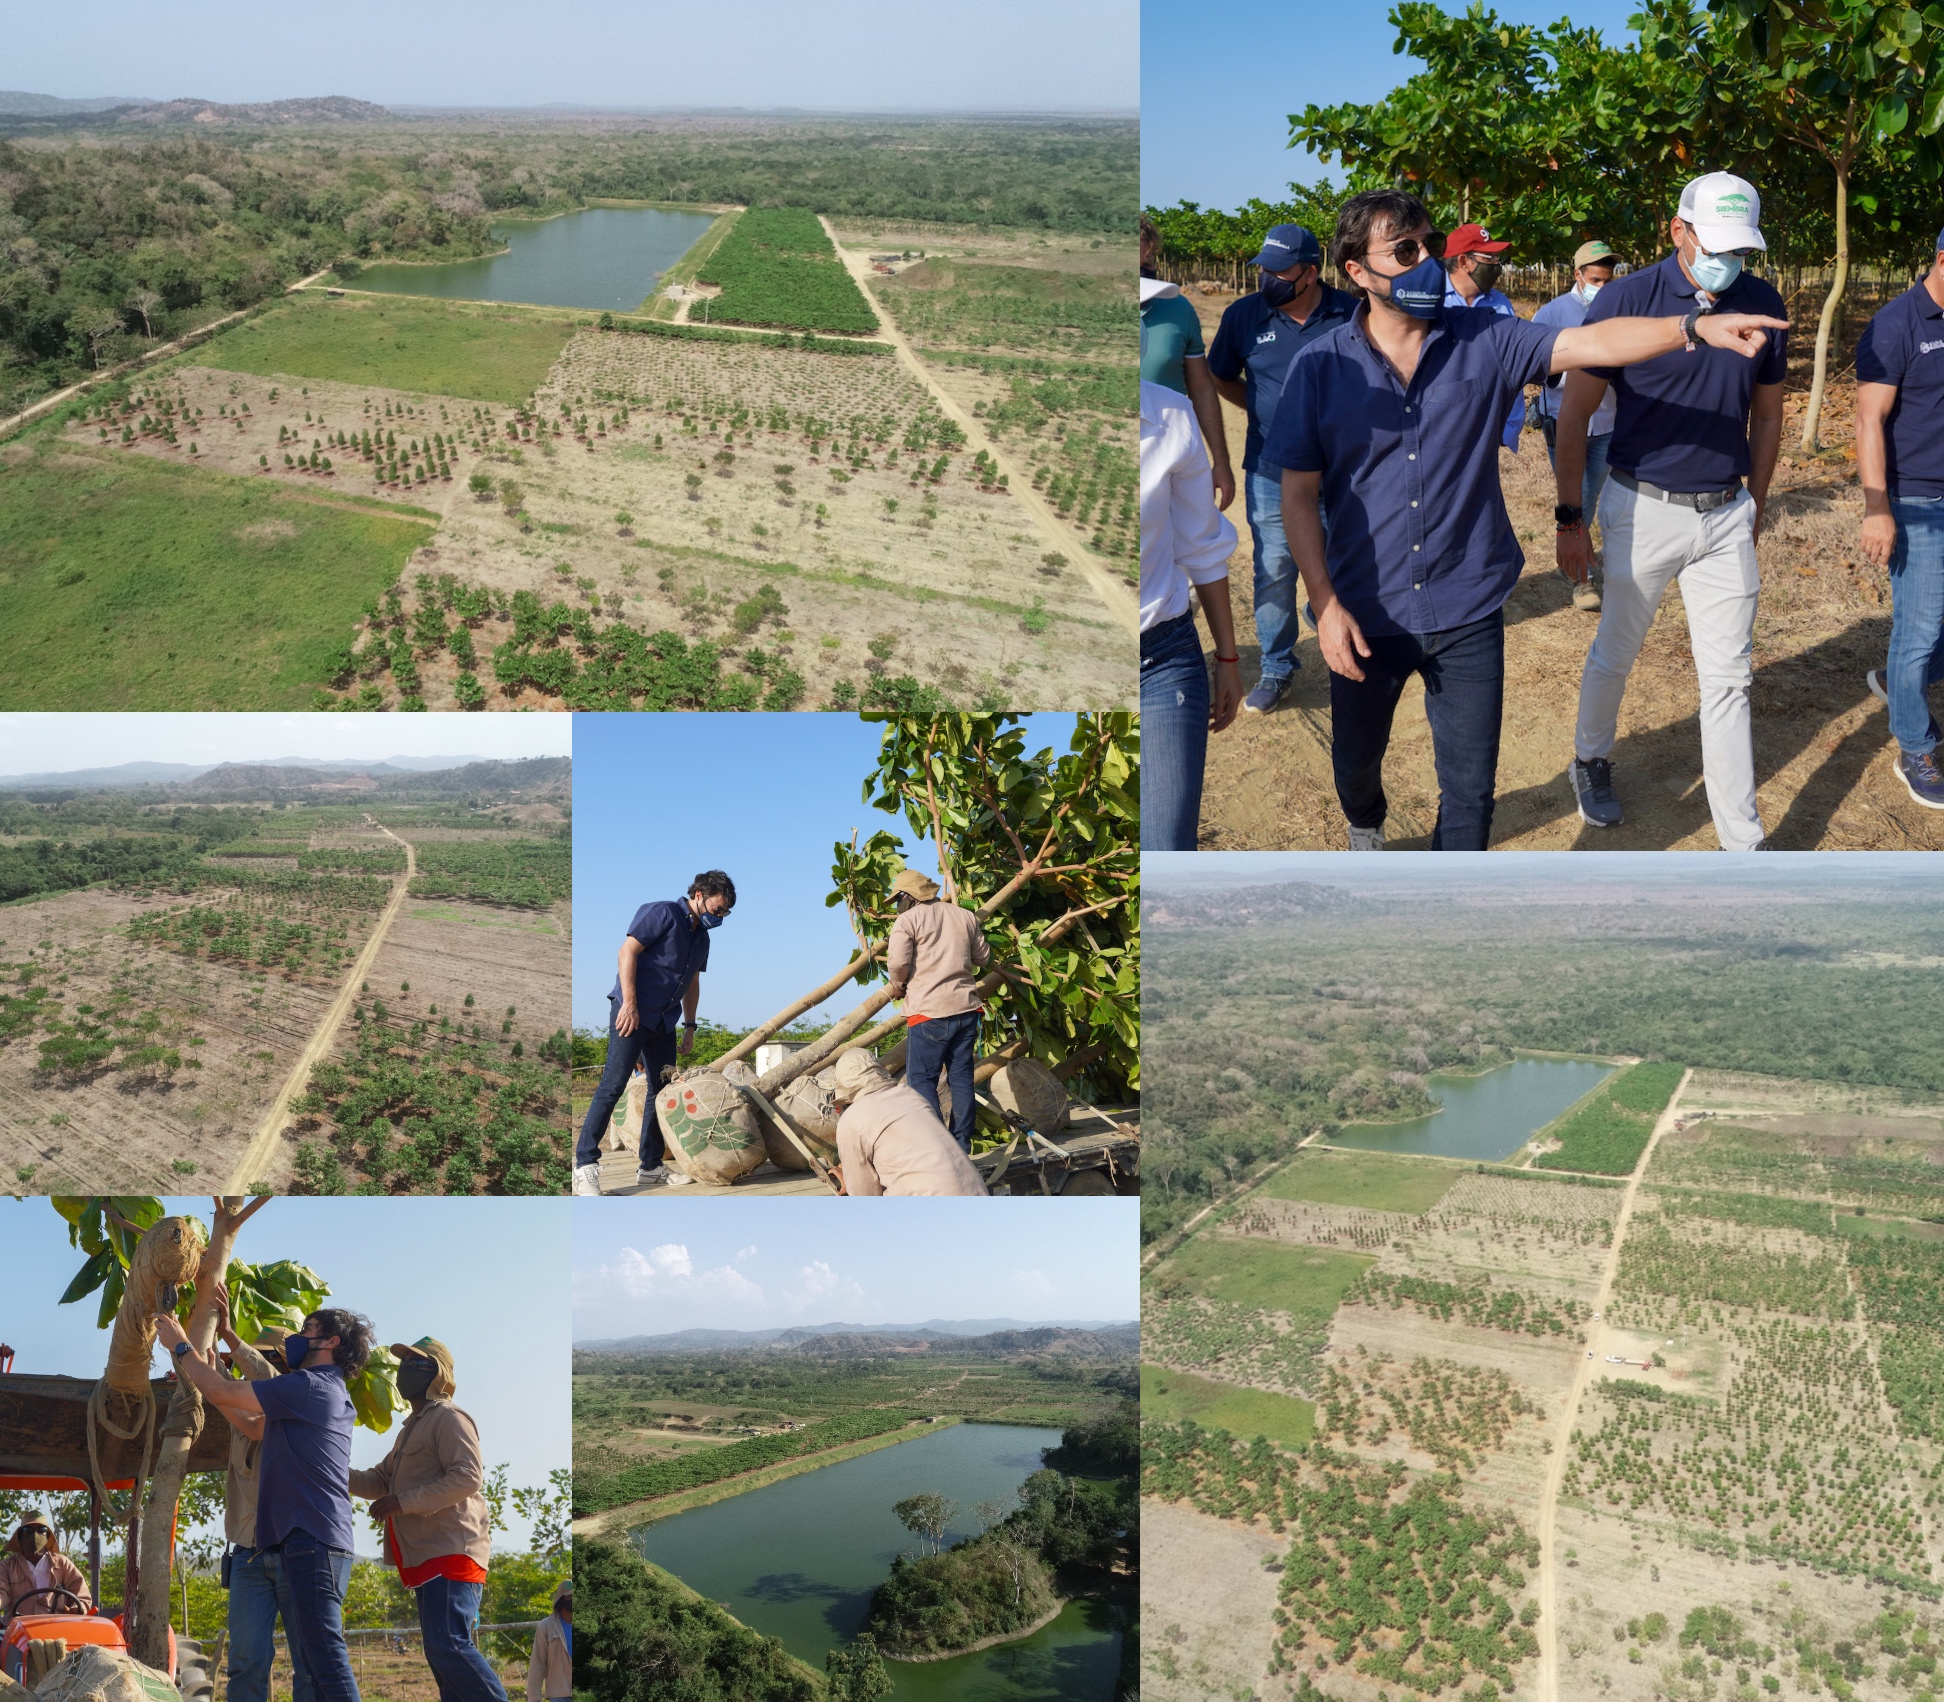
(113, 1132)
(1206, 1603)
(448, 948)
(1824, 756)
(384, 1673)
(1059, 251)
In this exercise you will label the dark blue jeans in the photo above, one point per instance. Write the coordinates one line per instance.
(316, 1577)
(448, 1611)
(656, 1052)
(256, 1595)
(948, 1043)
(1174, 734)
(1916, 659)
(1464, 700)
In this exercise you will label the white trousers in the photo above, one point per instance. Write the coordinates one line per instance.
(1648, 544)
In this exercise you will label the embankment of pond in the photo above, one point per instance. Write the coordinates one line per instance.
(677, 1588)
(993, 1642)
(635, 1514)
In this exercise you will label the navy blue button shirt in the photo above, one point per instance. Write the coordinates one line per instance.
(673, 950)
(1419, 540)
(1904, 345)
(1256, 342)
(1682, 422)
(304, 1471)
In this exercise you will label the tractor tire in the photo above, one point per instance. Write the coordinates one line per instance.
(1083, 1182)
(193, 1679)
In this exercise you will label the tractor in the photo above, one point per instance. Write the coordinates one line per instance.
(44, 1448)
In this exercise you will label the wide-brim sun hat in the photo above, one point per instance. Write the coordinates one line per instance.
(429, 1347)
(857, 1073)
(919, 886)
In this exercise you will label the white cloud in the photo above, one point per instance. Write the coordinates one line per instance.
(1036, 1284)
(818, 1285)
(743, 1253)
(664, 1272)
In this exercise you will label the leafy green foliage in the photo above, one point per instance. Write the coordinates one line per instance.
(524, 873)
(1477, 1303)
(1608, 1132)
(653, 1479)
(777, 267)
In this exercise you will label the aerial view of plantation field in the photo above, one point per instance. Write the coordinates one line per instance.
(1554, 1324)
(313, 975)
(649, 417)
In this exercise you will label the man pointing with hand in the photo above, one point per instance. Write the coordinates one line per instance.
(1394, 420)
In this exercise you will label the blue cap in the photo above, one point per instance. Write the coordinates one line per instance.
(1286, 246)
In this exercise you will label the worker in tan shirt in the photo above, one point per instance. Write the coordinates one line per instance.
(438, 1528)
(550, 1673)
(934, 956)
(889, 1141)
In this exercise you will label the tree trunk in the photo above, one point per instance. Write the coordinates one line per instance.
(783, 1018)
(1832, 303)
(148, 1629)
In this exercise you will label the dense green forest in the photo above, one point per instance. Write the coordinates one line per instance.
(1253, 1037)
(108, 249)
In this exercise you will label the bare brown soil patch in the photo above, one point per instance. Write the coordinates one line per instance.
(1823, 752)
(1206, 1604)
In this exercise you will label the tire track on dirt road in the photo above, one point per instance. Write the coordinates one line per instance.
(1549, 1690)
(1114, 593)
(261, 1153)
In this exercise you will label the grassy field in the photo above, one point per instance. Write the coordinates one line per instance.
(1246, 1412)
(398, 342)
(1607, 1133)
(1374, 1180)
(1302, 1281)
(130, 584)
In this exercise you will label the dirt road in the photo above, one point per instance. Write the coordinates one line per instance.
(1119, 597)
(260, 1156)
(1824, 758)
(1595, 1357)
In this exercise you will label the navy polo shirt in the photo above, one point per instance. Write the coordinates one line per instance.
(1256, 342)
(1682, 420)
(1419, 540)
(1904, 345)
(304, 1470)
(673, 950)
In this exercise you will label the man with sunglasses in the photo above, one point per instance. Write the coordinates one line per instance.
(1393, 421)
(1688, 429)
(1261, 334)
(662, 958)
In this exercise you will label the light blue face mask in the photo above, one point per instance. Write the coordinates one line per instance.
(1714, 272)
(1587, 292)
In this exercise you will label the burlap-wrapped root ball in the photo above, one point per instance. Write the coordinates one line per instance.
(1027, 1086)
(709, 1128)
(810, 1104)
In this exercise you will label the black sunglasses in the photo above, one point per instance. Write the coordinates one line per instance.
(1408, 252)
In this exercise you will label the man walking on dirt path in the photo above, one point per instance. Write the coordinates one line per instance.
(661, 965)
(1393, 422)
(1900, 464)
(1593, 265)
(438, 1528)
(1688, 428)
(303, 1473)
(889, 1140)
(1261, 334)
(933, 957)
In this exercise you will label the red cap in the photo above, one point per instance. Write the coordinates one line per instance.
(1472, 239)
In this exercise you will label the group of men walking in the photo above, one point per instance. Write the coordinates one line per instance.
(891, 1135)
(1372, 494)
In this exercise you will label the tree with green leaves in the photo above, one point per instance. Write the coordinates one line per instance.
(857, 1674)
(142, 1262)
(927, 1516)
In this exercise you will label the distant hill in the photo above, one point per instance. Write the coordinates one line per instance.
(1242, 906)
(691, 1341)
(177, 773)
(324, 109)
(267, 777)
(16, 103)
(1101, 1344)
(535, 776)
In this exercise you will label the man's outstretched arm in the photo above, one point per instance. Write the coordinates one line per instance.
(224, 1393)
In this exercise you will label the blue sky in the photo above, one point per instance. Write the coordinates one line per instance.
(651, 1265)
(659, 798)
(53, 744)
(874, 55)
(488, 1277)
(1221, 77)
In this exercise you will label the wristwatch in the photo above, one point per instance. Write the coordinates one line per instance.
(179, 1349)
(1687, 326)
(1567, 514)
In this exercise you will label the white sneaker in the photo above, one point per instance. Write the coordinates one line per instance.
(587, 1179)
(1365, 838)
(677, 1180)
(651, 1178)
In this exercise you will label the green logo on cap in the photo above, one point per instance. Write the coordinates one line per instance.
(1733, 202)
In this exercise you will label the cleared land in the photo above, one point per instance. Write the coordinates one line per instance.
(1824, 758)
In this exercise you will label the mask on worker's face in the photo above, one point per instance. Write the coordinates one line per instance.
(1277, 292)
(415, 1378)
(1420, 292)
(1588, 291)
(1714, 272)
(296, 1349)
(1485, 273)
(35, 1540)
(710, 919)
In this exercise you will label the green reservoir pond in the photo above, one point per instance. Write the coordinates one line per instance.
(602, 257)
(1489, 1116)
(798, 1561)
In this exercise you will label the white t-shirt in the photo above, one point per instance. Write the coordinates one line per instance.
(1185, 538)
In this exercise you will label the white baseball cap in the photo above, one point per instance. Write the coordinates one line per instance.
(1157, 289)
(1724, 211)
